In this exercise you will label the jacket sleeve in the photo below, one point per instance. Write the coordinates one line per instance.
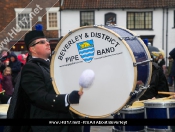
(162, 85)
(172, 53)
(33, 84)
(152, 91)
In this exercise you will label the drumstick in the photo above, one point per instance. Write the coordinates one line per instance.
(86, 79)
(166, 92)
(141, 101)
(2, 91)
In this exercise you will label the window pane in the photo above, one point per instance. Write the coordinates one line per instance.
(24, 21)
(86, 18)
(130, 20)
(139, 20)
(52, 20)
(110, 18)
(148, 21)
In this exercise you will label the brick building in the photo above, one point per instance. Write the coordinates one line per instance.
(15, 21)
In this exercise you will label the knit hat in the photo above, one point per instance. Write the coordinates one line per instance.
(146, 42)
(31, 36)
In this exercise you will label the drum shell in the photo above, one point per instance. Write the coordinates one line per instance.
(159, 109)
(141, 53)
(130, 113)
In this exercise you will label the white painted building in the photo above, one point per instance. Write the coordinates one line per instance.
(161, 32)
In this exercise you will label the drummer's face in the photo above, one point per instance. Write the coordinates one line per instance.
(41, 48)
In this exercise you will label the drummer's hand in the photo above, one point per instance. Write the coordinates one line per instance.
(74, 96)
(174, 96)
(80, 93)
(153, 98)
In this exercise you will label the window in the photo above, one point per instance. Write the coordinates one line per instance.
(110, 18)
(139, 20)
(52, 18)
(23, 18)
(86, 18)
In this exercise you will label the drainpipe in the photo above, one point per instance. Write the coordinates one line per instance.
(163, 22)
(60, 22)
(61, 2)
(166, 34)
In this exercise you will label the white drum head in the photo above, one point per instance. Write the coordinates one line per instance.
(110, 58)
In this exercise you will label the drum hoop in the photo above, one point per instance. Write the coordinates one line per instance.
(133, 111)
(129, 50)
(159, 130)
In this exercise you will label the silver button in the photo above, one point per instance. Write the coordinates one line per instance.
(52, 105)
(53, 100)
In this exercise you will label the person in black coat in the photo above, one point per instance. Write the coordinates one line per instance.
(35, 98)
(15, 66)
(4, 58)
(158, 83)
(172, 54)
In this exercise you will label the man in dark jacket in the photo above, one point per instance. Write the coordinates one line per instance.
(158, 83)
(37, 94)
(172, 54)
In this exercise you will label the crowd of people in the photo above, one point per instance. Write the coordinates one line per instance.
(10, 66)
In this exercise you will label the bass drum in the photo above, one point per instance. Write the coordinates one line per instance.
(118, 58)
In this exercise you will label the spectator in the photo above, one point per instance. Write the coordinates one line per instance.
(172, 54)
(22, 59)
(170, 77)
(7, 82)
(15, 66)
(160, 60)
(4, 58)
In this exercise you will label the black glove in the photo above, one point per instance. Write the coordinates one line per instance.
(73, 97)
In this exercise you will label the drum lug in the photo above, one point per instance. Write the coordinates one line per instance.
(70, 32)
(95, 25)
(86, 117)
(130, 38)
(53, 52)
(137, 63)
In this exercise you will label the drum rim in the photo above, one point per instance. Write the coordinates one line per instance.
(126, 45)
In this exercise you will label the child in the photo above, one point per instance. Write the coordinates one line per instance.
(7, 82)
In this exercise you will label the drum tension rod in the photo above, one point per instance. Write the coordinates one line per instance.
(129, 38)
(139, 89)
(143, 87)
(137, 63)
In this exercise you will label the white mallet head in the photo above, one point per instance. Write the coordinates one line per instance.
(86, 78)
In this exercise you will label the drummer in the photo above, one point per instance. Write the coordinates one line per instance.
(40, 101)
(158, 83)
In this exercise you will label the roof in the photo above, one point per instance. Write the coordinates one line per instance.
(117, 4)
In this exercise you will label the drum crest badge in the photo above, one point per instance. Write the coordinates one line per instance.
(86, 50)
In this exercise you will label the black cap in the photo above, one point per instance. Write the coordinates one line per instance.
(31, 36)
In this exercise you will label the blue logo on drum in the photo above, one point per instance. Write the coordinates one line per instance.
(86, 50)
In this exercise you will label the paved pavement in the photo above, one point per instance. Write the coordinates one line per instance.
(109, 128)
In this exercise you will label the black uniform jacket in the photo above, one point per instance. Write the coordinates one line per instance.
(38, 100)
(158, 83)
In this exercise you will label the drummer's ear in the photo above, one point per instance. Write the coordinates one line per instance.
(32, 49)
